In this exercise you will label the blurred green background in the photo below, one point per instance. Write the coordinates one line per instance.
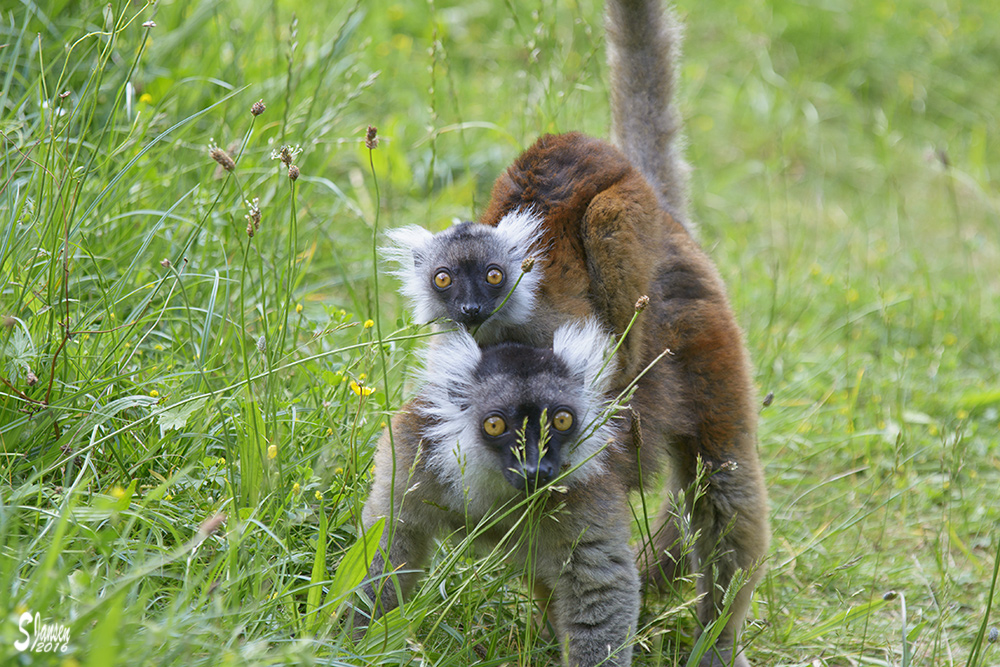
(160, 366)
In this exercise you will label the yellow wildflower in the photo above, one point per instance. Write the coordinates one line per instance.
(361, 390)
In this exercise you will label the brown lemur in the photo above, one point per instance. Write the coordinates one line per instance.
(606, 226)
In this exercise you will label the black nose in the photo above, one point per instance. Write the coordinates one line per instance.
(538, 476)
(471, 314)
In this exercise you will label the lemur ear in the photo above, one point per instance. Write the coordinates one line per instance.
(584, 346)
(520, 230)
(407, 252)
(450, 363)
(406, 248)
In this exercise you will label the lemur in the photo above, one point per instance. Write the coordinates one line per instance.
(605, 224)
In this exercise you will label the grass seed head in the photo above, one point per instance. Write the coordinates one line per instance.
(252, 216)
(221, 156)
(286, 154)
(371, 137)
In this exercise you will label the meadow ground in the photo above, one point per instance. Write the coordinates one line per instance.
(160, 366)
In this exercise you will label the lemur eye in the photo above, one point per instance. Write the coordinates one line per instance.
(442, 279)
(494, 276)
(494, 425)
(562, 420)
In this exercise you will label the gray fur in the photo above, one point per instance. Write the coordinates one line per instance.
(579, 544)
(456, 396)
(644, 49)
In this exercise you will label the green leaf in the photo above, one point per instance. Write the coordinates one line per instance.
(354, 567)
(318, 572)
(20, 354)
(388, 633)
(206, 332)
(979, 399)
(176, 417)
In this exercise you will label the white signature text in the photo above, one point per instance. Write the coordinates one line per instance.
(47, 636)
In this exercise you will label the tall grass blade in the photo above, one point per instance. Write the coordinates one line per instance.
(206, 331)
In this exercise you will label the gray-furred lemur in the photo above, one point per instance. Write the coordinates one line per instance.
(491, 424)
(606, 226)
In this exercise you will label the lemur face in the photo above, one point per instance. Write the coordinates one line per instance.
(468, 273)
(515, 413)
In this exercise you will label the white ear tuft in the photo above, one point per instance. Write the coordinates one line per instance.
(520, 230)
(584, 346)
(411, 239)
(450, 362)
(406, 245)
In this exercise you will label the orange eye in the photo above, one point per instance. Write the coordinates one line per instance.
(494, 425)
(442, 279)
(494, 276)
(562, 420)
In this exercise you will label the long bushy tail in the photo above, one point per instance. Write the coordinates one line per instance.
(644, 44)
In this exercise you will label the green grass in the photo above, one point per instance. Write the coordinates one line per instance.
(846, 161)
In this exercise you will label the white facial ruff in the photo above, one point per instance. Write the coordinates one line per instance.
(456, 454)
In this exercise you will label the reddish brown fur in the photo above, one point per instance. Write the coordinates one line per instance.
(609, 243)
